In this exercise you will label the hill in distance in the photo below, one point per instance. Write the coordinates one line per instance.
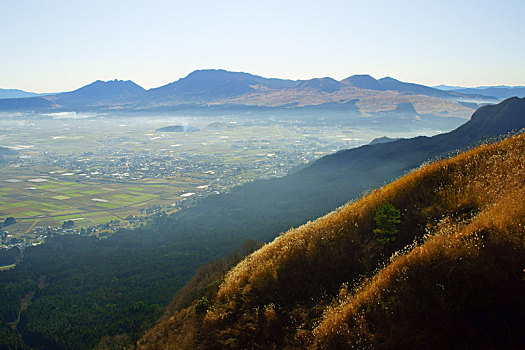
(15, 93)
(177, 128)
(219, 126)
(450, 274)
(26, 103)
(98, 92)
(383, 139)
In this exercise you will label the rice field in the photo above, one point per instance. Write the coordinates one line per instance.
(87, 203)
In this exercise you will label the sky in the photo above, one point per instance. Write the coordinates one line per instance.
(56, 45)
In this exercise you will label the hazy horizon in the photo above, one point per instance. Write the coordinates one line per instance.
(60, 45)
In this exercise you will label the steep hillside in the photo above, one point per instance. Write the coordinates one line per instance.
(432, 260)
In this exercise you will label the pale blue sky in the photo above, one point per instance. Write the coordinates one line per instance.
(58, 45)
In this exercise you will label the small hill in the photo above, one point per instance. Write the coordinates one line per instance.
(27, 103)
(450, 274)
(405, 107)
(7, 151)
(382, 139)
(177, 128)
(363, 81)
(322, 84)
(219, 126)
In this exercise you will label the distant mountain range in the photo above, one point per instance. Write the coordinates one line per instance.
(500, 91)
(220, 89)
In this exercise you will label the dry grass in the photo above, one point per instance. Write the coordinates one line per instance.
(459, 256)
(360, 319)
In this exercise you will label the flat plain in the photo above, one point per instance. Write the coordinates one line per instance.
(94, 169)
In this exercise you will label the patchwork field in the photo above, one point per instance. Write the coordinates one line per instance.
(94, 169)
(51, 201)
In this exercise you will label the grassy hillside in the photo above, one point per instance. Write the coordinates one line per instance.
(453, 276)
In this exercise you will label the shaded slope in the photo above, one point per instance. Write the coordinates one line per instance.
(460, 286)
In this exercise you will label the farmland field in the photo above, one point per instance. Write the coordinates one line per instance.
(93, 169)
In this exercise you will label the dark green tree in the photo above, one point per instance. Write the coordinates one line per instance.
(202, 306)
(387, 220)
(68, 224)
(9, 221)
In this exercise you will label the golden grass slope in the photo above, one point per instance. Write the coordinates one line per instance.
(454, 277)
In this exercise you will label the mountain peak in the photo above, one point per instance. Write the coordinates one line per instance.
(362, 81)
(325, 84)
(223, 74)
(211, 84)
(98, 92)
(389, 79)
